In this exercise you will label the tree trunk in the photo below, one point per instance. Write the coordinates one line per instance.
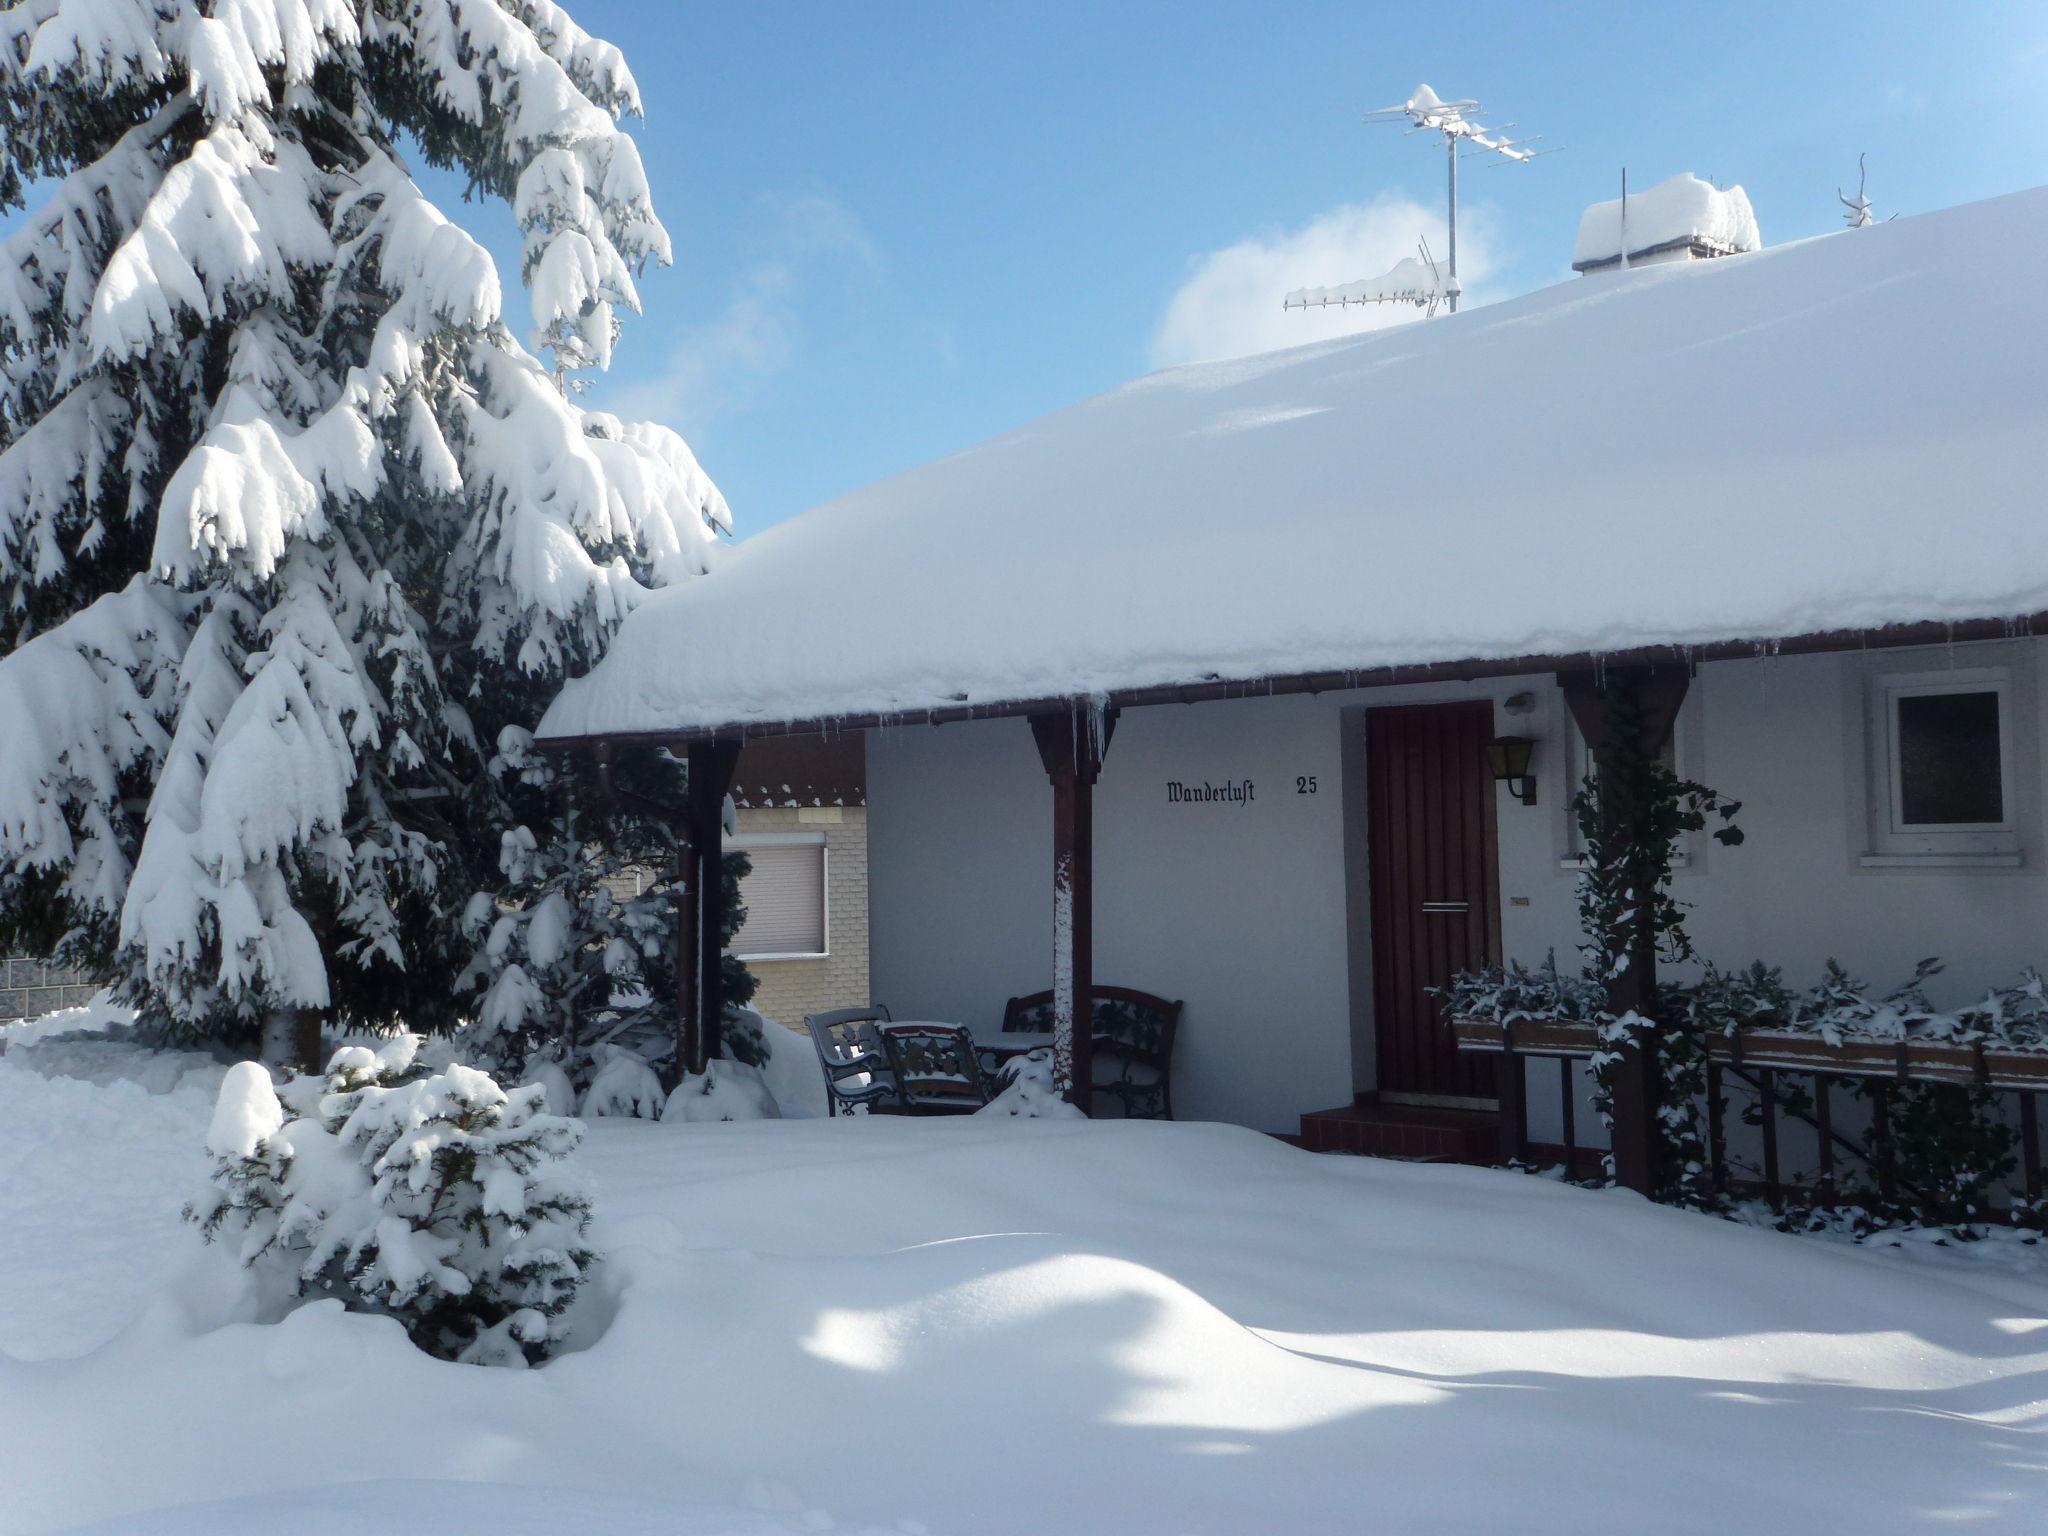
(291, 1040)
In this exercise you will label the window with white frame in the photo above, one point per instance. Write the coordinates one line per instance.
(1943, 764)
(784, 895)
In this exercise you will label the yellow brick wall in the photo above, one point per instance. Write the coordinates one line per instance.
(789, 989)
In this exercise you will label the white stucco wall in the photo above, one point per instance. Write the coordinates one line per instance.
(1255, 915)
(1236, 908)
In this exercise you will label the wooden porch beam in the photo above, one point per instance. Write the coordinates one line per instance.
(1658, 691)
(1071, 744)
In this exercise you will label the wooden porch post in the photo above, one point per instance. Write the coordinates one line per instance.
(1658, 692)
(700, 914)
(1070, 745)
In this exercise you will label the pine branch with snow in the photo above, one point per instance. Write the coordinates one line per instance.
(293, 525)
(577, 941)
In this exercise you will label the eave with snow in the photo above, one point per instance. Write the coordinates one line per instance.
(1695, 471)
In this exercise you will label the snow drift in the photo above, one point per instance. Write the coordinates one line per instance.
(876, 1323)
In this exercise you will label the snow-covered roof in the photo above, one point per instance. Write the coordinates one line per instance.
(1679, 210)
(1826, 435)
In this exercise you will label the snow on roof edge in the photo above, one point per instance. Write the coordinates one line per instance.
(1199, 488)
(1897, 632)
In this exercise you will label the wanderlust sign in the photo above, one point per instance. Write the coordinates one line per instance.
(1229, 792)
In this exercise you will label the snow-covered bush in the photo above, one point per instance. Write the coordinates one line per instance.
(624, 1085)
(1948, 1149)
(1841, 1007)
(440, 1200)
(1514, 992)
(1029, 1091)
(725, 1090)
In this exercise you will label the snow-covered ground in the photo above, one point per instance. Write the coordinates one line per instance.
(1016, 1326)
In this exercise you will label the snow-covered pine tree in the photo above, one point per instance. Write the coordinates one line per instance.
(580, 935)
(441, 1200)
(292, 525)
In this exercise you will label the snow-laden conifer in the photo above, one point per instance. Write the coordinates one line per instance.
(575, 945)
(440, 1199)
(292, 523)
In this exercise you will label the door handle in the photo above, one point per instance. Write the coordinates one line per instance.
(1443, 907)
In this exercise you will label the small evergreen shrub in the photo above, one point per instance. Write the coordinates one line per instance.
(439, 1199)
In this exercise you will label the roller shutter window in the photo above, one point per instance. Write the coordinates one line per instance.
(785, 900)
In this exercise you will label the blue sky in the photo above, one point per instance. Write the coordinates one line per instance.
(901, 228)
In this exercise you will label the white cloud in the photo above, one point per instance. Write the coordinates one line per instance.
(1229, 304)
(722, 365)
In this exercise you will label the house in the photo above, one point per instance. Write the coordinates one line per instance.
(1679, 219)
(1187, 687)
(801, 804)
(800, 816)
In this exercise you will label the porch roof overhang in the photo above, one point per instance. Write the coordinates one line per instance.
(1824, 446)
(1894, 636)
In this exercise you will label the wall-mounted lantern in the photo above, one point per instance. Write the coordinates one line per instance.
(1508, 757)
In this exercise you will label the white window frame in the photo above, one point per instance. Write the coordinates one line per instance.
(817, 840)
(1893, 839)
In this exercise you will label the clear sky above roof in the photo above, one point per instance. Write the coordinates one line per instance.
(901, 228)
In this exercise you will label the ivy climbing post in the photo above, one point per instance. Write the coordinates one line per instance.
(1631, 813)
(1626, 720)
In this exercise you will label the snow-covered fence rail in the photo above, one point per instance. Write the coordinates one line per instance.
(1756, 1055)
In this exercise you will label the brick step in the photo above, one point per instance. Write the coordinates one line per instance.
(1405, 1130)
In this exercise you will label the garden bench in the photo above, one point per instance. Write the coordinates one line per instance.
(1133, 1034)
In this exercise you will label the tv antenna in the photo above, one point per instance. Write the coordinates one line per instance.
(1413, 280)
(1858, 214)
(1426, 112)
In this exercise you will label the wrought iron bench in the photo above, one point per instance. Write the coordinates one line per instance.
(858, 1070)
(1133, 1036)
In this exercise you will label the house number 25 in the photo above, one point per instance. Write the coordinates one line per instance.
(1305, 784)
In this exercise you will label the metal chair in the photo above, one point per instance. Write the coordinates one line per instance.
(936, 1069)
(858, 1071)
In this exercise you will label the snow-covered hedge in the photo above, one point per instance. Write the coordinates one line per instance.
(1838, 1007)
(1511, 993)
(437, 1199)
(1841, 1007)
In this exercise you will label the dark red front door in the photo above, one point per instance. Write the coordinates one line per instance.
(1435, 888)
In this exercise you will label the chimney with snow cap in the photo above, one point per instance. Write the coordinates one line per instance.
(1681, 219)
